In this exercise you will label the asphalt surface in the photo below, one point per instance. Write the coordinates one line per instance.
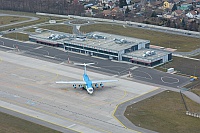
(105, 66)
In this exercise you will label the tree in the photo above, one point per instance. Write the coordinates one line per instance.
(168, 23)
(153, 14)
(127, 10)
(174, 8)
(199, 28)
(183, 22)
(122, 3)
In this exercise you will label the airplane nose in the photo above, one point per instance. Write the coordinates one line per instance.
(90, 91)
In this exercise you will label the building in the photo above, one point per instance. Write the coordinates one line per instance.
(148, 57)
(113, 47)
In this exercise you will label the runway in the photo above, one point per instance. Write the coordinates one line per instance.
(29, 84)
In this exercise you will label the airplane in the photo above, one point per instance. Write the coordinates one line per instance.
(86, 81)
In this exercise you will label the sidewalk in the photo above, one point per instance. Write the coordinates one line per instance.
(192, 96)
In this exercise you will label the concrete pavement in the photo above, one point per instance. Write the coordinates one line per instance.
(30, 84)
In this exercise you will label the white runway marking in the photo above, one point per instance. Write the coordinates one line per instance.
(141, 76)
(71, 125)
(95, 67)
(135, 67)
(39, 47)
(177, 80)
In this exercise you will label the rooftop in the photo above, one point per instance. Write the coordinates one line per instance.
(147, 55)
(97, 40)
(109, 41)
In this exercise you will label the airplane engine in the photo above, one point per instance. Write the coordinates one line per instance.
(74, 85)
(96, 85)
(81, 86)
(101, 85)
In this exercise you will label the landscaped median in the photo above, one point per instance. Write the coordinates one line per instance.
(17, 36)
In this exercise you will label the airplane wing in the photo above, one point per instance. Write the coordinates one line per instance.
(71, 82)
(103, 81)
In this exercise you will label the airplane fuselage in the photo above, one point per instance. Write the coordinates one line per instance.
(88, 84)
(86, 81)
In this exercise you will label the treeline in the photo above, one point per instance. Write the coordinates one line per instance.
(48, 6)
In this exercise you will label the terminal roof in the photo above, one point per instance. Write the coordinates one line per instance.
(146, 55)
(97, 40)
(109, 41)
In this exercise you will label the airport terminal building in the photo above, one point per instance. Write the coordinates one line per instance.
(113, 47)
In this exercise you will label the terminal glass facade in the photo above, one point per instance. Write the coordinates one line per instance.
(91, 51)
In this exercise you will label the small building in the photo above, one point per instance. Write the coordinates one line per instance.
(191, 14)
(52, 21)
(166, 4)
(185, 6)
(148, 57)
(38, 30)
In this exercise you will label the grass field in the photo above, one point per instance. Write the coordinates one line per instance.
(40, 20)
(11, 124)
(183, 66)
(58, 27)
(196, 88)
(17, 36)
(11, 19)
(181, 43)
(30, 30)
(164, 113)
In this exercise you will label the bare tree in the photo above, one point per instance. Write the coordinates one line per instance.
(48, 6)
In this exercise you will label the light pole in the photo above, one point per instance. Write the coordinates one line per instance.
(195, 70)
(2, 42)
(67, 54)
(16, 35)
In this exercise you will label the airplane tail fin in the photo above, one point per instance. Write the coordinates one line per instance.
(84, 64)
